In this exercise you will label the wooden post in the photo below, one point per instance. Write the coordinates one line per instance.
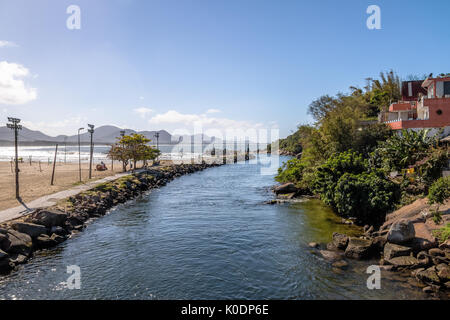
(112, 158)
(54, 163)
(40, 169)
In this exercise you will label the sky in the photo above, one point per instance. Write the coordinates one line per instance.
(151, 65)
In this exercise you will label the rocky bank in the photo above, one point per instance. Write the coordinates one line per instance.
(46, 228)
(405, 242)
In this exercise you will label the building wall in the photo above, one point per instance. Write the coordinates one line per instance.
(434, 105)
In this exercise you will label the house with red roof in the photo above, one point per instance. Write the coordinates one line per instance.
(424, 105)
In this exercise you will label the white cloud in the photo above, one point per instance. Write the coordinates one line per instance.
(187, 121)
(7, 44)
(143, 112)
(12, 86)
(213, 111)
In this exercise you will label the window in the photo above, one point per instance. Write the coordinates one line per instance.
(431, 91)
(446, 88)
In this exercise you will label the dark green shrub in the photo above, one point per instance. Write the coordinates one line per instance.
(439, 191)
(328, 174)
(431, 169)
(366, 196)
(290, 171)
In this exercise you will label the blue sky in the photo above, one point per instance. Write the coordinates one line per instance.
(165, 64)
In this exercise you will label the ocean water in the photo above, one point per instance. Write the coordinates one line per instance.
(70, 153)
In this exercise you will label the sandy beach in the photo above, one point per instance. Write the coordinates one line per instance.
(35, 179)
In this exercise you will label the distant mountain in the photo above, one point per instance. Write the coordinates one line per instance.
(102, 135)
(196, 138)
(25, 134)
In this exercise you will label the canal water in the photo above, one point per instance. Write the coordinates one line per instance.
(208, 235)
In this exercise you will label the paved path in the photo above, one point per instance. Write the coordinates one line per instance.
(52, 199)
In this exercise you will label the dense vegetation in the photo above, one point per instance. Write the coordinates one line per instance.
(361, 168)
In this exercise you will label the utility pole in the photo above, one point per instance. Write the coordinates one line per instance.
(157, 141)
(65, 150)
(14, 125)
(54, 164)
(122, 134)
(91, 131)
(79, 152)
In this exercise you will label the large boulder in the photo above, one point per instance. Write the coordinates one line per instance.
(43, 241)
(392, 250)
(31, 229)
(340, 241)
(436, 252)
(424, 238)
(429, 275)
(401, 232)
(5, 263)
(19, 242)
(403, 261)
(285, 188)
(445, 245)
(4, 241)
(18, 258)
(331, 255)
(358, 248)
(443, 272)
(49, 218)
(378, 244)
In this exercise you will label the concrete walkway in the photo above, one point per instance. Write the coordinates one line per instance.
(52, 199)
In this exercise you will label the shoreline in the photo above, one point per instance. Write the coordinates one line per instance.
(404, 244)
(47, 227)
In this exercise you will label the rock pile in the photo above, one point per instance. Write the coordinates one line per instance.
(399, 249)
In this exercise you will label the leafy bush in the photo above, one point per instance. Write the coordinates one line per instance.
(444, 233)
(402, 150)
(297, 171)
(290, 171)
(328, 174)
(431, 169)
(439, 191)
(366, 197)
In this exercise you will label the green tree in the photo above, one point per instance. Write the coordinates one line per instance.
(133, 148)
(320, 107)
(386, 90)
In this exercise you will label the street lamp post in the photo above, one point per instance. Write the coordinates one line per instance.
(91, 131)
(157, 142)
(122, 134)
(65, 150)
(79, 152)
(14, 125)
